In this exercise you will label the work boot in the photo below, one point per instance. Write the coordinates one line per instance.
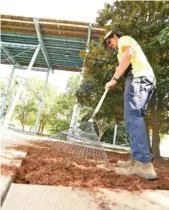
(145, 170)
(125, 164)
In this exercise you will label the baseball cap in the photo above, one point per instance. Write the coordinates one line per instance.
(110, 34)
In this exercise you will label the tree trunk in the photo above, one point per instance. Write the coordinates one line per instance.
(156, 142)
(155, 128)
(39, 128)
(42, 128)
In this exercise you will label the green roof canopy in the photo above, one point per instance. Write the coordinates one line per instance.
(61, 42)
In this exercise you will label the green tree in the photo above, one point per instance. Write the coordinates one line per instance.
(6, 96)
(27, 107)
(24, 109)
(51, 96)
(63, 107)
(148, 23)
(99, 69)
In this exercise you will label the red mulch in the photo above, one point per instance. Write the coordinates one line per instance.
(8, 170)
(49, 165)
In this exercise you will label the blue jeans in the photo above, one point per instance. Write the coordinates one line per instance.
(138, 92)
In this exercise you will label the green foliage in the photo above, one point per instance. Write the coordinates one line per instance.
(59, 125)
(56, 110)
(148, 23)
(122, 136)
(24, 109)
(61, 112)
(73, 84)
(7, 95)
(99, 69)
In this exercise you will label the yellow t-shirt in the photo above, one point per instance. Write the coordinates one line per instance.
(139, 62)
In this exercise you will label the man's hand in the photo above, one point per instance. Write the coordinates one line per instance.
(111, 84)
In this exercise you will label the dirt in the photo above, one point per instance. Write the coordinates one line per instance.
(7, 170)
(48, 164)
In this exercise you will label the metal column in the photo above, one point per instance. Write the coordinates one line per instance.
(41, 101)
(75, 115)
(115, 134)
(40, 39)
(19, 89)
(6, 92)
(73, 121)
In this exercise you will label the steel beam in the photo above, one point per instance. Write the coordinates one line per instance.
(19, 90)
(67, 40)
(89, 33)
(73, 121)
(40, 39)
(10, 56)
(76, 111)
(87, 48)
(6, 92)
(10, 44)
(60, 60)
(33, 68)
(66, 49)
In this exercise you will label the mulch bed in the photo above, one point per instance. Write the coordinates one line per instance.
(45, 164)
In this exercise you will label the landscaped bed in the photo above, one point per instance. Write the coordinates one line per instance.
(57, 163)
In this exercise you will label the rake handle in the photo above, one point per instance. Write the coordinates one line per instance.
(100, 103)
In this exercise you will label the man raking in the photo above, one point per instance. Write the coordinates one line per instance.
(139, 86)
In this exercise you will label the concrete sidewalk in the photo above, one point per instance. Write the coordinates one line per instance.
(12, 158)
(5, 182)
(9, 138)
(39, 197)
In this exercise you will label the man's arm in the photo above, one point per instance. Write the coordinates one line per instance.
(124, 63)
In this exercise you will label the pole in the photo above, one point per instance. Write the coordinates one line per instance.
(6, 92)
(19, 89)
(115, 134)
(75, 115)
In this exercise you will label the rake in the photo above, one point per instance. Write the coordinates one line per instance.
(88, 137)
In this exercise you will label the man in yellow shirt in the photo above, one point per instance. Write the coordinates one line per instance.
(139, 86)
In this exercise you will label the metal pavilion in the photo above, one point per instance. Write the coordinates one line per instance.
(45, 45)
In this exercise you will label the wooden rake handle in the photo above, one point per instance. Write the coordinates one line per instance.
(100, 103)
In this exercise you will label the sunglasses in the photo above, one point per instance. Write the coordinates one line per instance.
(108, 42)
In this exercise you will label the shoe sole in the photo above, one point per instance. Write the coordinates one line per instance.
(146, 176)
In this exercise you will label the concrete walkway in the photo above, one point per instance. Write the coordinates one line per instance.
(39, 197)
(9, 138)
(5, 182)
(34, 197)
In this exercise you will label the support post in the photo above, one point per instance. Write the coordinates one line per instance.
(6, 92)
(19, 90)
(73, 120)
(75, 115)
(41, 102)
(40, 39)
(115, 134)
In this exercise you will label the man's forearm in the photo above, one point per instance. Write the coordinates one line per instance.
(123, 65)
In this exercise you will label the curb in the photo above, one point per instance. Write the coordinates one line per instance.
(6, 181)
(5, 185)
